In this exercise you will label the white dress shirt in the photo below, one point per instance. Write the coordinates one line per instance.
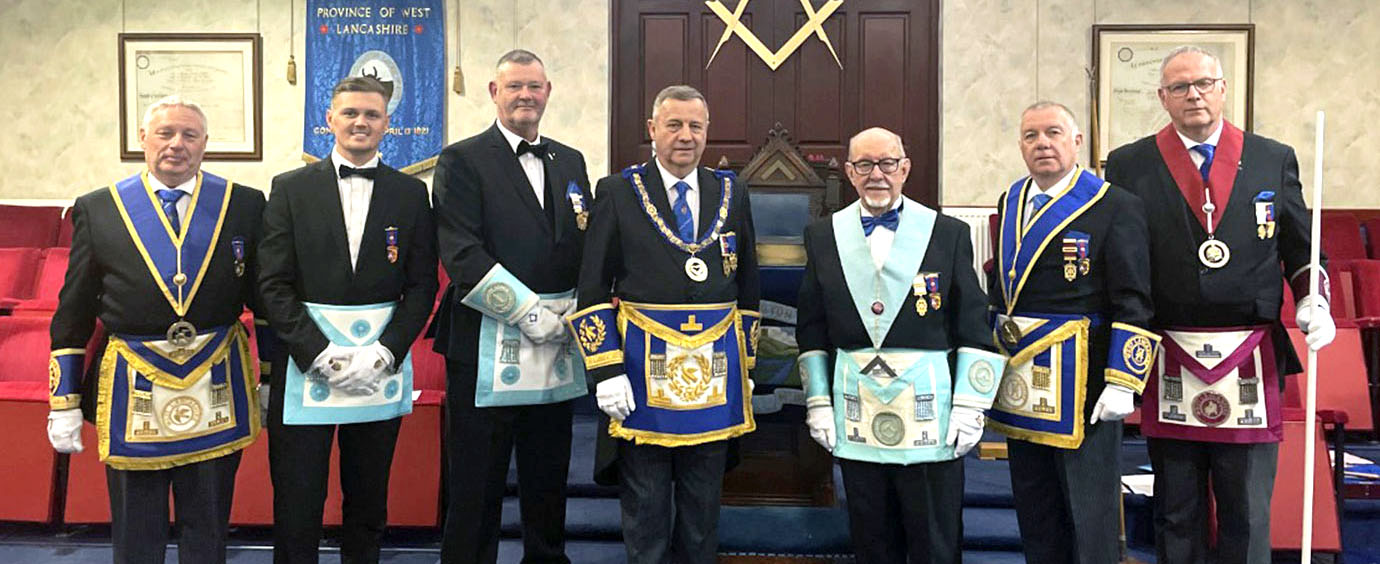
(355, 193)
(879, 242)
(531, 164)
(1190, 144)
(692, 196)
(183, 203)
(1054, 191)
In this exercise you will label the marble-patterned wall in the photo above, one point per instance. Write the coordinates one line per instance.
(998, 56)
(60, 70)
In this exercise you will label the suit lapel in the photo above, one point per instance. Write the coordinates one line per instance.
(656, 190)
(381, 205)
(325, 189)
(710, 194)
(557, 179)
(501, 155)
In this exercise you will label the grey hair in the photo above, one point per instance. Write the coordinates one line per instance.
(896, 139)
(1046, 104)
(680, 92)
(519, 57)
(1185, 49)
(169, 102)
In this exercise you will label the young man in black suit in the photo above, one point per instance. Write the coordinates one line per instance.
(165, 260)
(670, 250)
(512, 208)
(348, 268)
(1072, 294)
(1228, 227)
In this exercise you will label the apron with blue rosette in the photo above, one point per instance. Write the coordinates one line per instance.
(309, 400)
(515, 371)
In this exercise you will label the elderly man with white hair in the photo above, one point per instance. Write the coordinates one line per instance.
(165, 260)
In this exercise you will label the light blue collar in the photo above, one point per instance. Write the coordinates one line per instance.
(892, 284)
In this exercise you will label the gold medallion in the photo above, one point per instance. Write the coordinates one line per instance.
(696, 269)
(1010, 333)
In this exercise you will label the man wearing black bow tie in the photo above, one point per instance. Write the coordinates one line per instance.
(348, 267)
(512, 207)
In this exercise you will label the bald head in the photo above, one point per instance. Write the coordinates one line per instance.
(875, 135)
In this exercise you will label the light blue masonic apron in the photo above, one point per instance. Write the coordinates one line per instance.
(309, 400)
(515, 371)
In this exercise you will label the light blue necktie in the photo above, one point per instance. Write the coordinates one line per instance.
(169, 199)
(685, 223)
(1037, 202)
(1206, 151)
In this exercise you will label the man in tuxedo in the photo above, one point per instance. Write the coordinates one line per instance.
(347, 235)
(670, 249)
(1228, 227)
(1072, 294)
(512, 208)
(889, 294)
(165, 260)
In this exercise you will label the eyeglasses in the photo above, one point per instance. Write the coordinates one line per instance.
(888, 166)
(1180, 89)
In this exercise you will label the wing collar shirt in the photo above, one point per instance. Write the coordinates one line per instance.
(355, 193)
(531, 165)
(692, 196)
(879, 242)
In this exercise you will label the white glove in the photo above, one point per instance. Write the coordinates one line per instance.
(1315, 319)
(332, 360)
(965, 429)
(820, 420)
(570, 309)
(1115, 403)
(615, 397)
(64, 430)
(367, 367)
(265, 390)
(542, 325)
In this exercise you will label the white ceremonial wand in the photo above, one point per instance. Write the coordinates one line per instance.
(1310, 440)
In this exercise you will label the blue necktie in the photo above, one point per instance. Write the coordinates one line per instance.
(685, 223)
(169, 199)
(1206, 151)
(889, 220)
(1037, 202)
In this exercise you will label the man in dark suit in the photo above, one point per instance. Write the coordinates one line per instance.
(1225, 211)
(889, 294)
(670, 249)
(1072, 294)
(512, 208)
(165, 260)
(348, 270)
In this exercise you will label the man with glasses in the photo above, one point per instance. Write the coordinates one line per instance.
(1225, 209)
(882, 393)
(1071, 290)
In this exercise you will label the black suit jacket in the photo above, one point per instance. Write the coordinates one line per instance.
(1249, 289)
(628, 258)
(305, 257)
(107, 278)
(486, 214)
(828, 319)
(1117, 285)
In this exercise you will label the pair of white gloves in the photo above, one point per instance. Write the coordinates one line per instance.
(542, 324)
(354, 370)
(966, 423)
(615, 396)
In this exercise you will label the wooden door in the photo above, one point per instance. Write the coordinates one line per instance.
(888, 49)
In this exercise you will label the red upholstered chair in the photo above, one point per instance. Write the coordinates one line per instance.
(1341, 236)
(29, 226)
(47, 283)
(18, 268)
(28, 463)
(1372, 233)
(1286, 505)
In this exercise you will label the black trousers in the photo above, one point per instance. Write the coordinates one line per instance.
(202, 492)
(299, 459)
(481, 442)
(1243, 480)
(1067, 499)
(670, 501)
(900, 514)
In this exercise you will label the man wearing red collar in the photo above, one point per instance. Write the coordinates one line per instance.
(1225, 211)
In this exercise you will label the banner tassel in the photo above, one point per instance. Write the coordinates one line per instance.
(459, 81)
(292, 70)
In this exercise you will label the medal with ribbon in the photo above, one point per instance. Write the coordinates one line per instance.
(919, 287)
(1084, 263)
(1070, 248)
(237, 250)
(1265, 215)
(577, 205)
(695, 268)
(932, 286)
(728, 247)
(390, 236)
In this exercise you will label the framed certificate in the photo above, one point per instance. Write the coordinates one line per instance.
(1126, 62)
(221, 72)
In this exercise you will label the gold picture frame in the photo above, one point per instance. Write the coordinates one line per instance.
(221, 72)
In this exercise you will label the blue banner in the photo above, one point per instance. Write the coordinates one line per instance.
(399, 42)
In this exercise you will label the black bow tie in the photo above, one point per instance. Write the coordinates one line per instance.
(538, 150)
(348, 171)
